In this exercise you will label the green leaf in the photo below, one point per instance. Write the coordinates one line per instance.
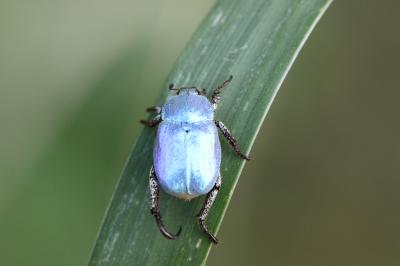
(256, 41)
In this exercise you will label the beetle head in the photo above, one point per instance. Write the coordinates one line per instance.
(192, 89)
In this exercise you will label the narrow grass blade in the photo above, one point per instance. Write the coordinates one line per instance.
(256, 41)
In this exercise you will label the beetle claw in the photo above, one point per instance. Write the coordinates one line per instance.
(208, 233)
(245, 157)
(213, 238)
(169, 235)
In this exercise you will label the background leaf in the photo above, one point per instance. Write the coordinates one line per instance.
(255, 41)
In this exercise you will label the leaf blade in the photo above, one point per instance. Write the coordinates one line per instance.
(256, 41)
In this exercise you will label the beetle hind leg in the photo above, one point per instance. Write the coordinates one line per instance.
(211, 196)
(155, 210)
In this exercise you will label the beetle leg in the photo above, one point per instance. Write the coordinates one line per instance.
(206, 208)
(216, 97)
(152, 122)
(172, 87)
(155, 109)
(155, 210)
(231, 139)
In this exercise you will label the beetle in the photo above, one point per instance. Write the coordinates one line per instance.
(187, 151)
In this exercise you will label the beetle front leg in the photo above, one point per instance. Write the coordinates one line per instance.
(155, 210)
(155, 109)
(152, 122)
(211, 196)
(231, 139)
(216, 97)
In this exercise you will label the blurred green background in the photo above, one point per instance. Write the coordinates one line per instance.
(76, 76)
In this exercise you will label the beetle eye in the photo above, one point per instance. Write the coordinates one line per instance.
(201, 91)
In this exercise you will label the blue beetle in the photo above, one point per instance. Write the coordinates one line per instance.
(187, 151)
